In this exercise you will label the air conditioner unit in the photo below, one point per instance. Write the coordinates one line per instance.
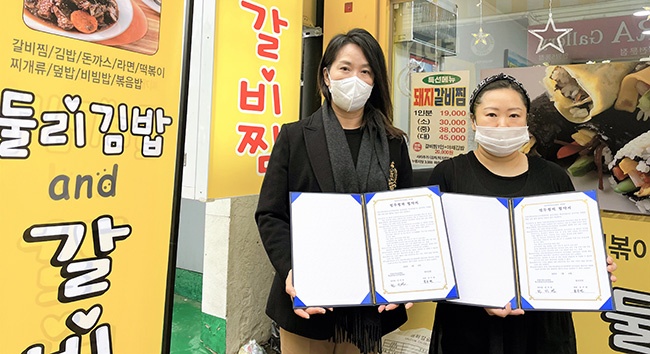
(427, 22)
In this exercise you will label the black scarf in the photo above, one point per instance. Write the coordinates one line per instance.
(371, 172)
(358, 325)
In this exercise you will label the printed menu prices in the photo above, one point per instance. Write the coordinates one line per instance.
(439, 116)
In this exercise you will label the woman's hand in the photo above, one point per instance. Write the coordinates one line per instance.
(611, 267)
(389, 307)
(304, 313)
(507, 311)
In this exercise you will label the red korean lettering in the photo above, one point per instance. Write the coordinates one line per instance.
(277, 100)
(268, 46)
(263, 160)
(258, 10)
(251, 100)
(269, 75)
(278, 22)
(252, 138)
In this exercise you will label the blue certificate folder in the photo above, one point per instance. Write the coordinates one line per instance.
(370, 249)
(544, 252)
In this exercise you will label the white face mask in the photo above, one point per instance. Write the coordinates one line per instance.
(501, 141)
(350, 94)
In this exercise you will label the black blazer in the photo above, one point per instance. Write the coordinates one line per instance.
(300, 162)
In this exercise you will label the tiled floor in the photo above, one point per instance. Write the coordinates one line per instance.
(186, 327)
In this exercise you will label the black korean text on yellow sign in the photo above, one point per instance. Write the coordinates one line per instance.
(89, 124)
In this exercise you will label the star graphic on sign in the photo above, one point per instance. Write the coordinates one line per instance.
(480, 36)
(552, 40)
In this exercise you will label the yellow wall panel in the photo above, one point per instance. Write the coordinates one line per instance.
(336, 20)
(309, 13)
(371, 15)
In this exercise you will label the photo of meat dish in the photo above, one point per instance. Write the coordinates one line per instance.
(84, 16)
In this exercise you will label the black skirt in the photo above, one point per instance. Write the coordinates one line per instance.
(460, 329)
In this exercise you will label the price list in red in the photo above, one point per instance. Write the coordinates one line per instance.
(440, 124)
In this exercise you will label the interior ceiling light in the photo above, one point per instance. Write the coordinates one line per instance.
(644, 12)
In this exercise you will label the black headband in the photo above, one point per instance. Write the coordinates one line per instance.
(490, 79)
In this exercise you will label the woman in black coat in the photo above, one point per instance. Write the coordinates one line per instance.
(349, 145)
(498, 110)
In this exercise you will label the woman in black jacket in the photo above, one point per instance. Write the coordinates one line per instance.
(349, 145)
(498, 109)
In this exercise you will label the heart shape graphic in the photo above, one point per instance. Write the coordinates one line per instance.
(267, 73)
(72, 103)
(81, 322)
(53, 328)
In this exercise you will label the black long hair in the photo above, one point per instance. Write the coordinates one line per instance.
(380, 95)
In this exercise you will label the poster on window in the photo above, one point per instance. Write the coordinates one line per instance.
(439, 124)
(90, 118)
(593, 119)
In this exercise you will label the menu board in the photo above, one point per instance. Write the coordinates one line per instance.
(440, 123)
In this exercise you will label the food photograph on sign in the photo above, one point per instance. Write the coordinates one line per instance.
(128, 24)
(593, 119)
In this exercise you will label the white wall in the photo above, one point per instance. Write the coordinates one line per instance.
(237, 273)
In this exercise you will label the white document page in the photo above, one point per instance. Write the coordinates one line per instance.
(330, 265)
(481, 248)
(561, 252)
(411, 260)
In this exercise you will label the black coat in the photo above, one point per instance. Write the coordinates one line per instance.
(300, 162)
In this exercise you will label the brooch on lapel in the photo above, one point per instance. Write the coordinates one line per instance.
(392, 176)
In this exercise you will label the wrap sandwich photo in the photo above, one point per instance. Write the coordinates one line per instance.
(580, 92)
(635, 92)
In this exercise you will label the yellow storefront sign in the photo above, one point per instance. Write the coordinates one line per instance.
(89, 133)
(626, 330)
(256, 89)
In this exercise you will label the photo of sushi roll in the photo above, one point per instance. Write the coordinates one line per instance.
(547, 126)
(557, 139)
(631, 171)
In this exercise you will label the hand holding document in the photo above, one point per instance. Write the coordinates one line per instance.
(302, 312)
(542, 252)
(561, 252)
(377, 248)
